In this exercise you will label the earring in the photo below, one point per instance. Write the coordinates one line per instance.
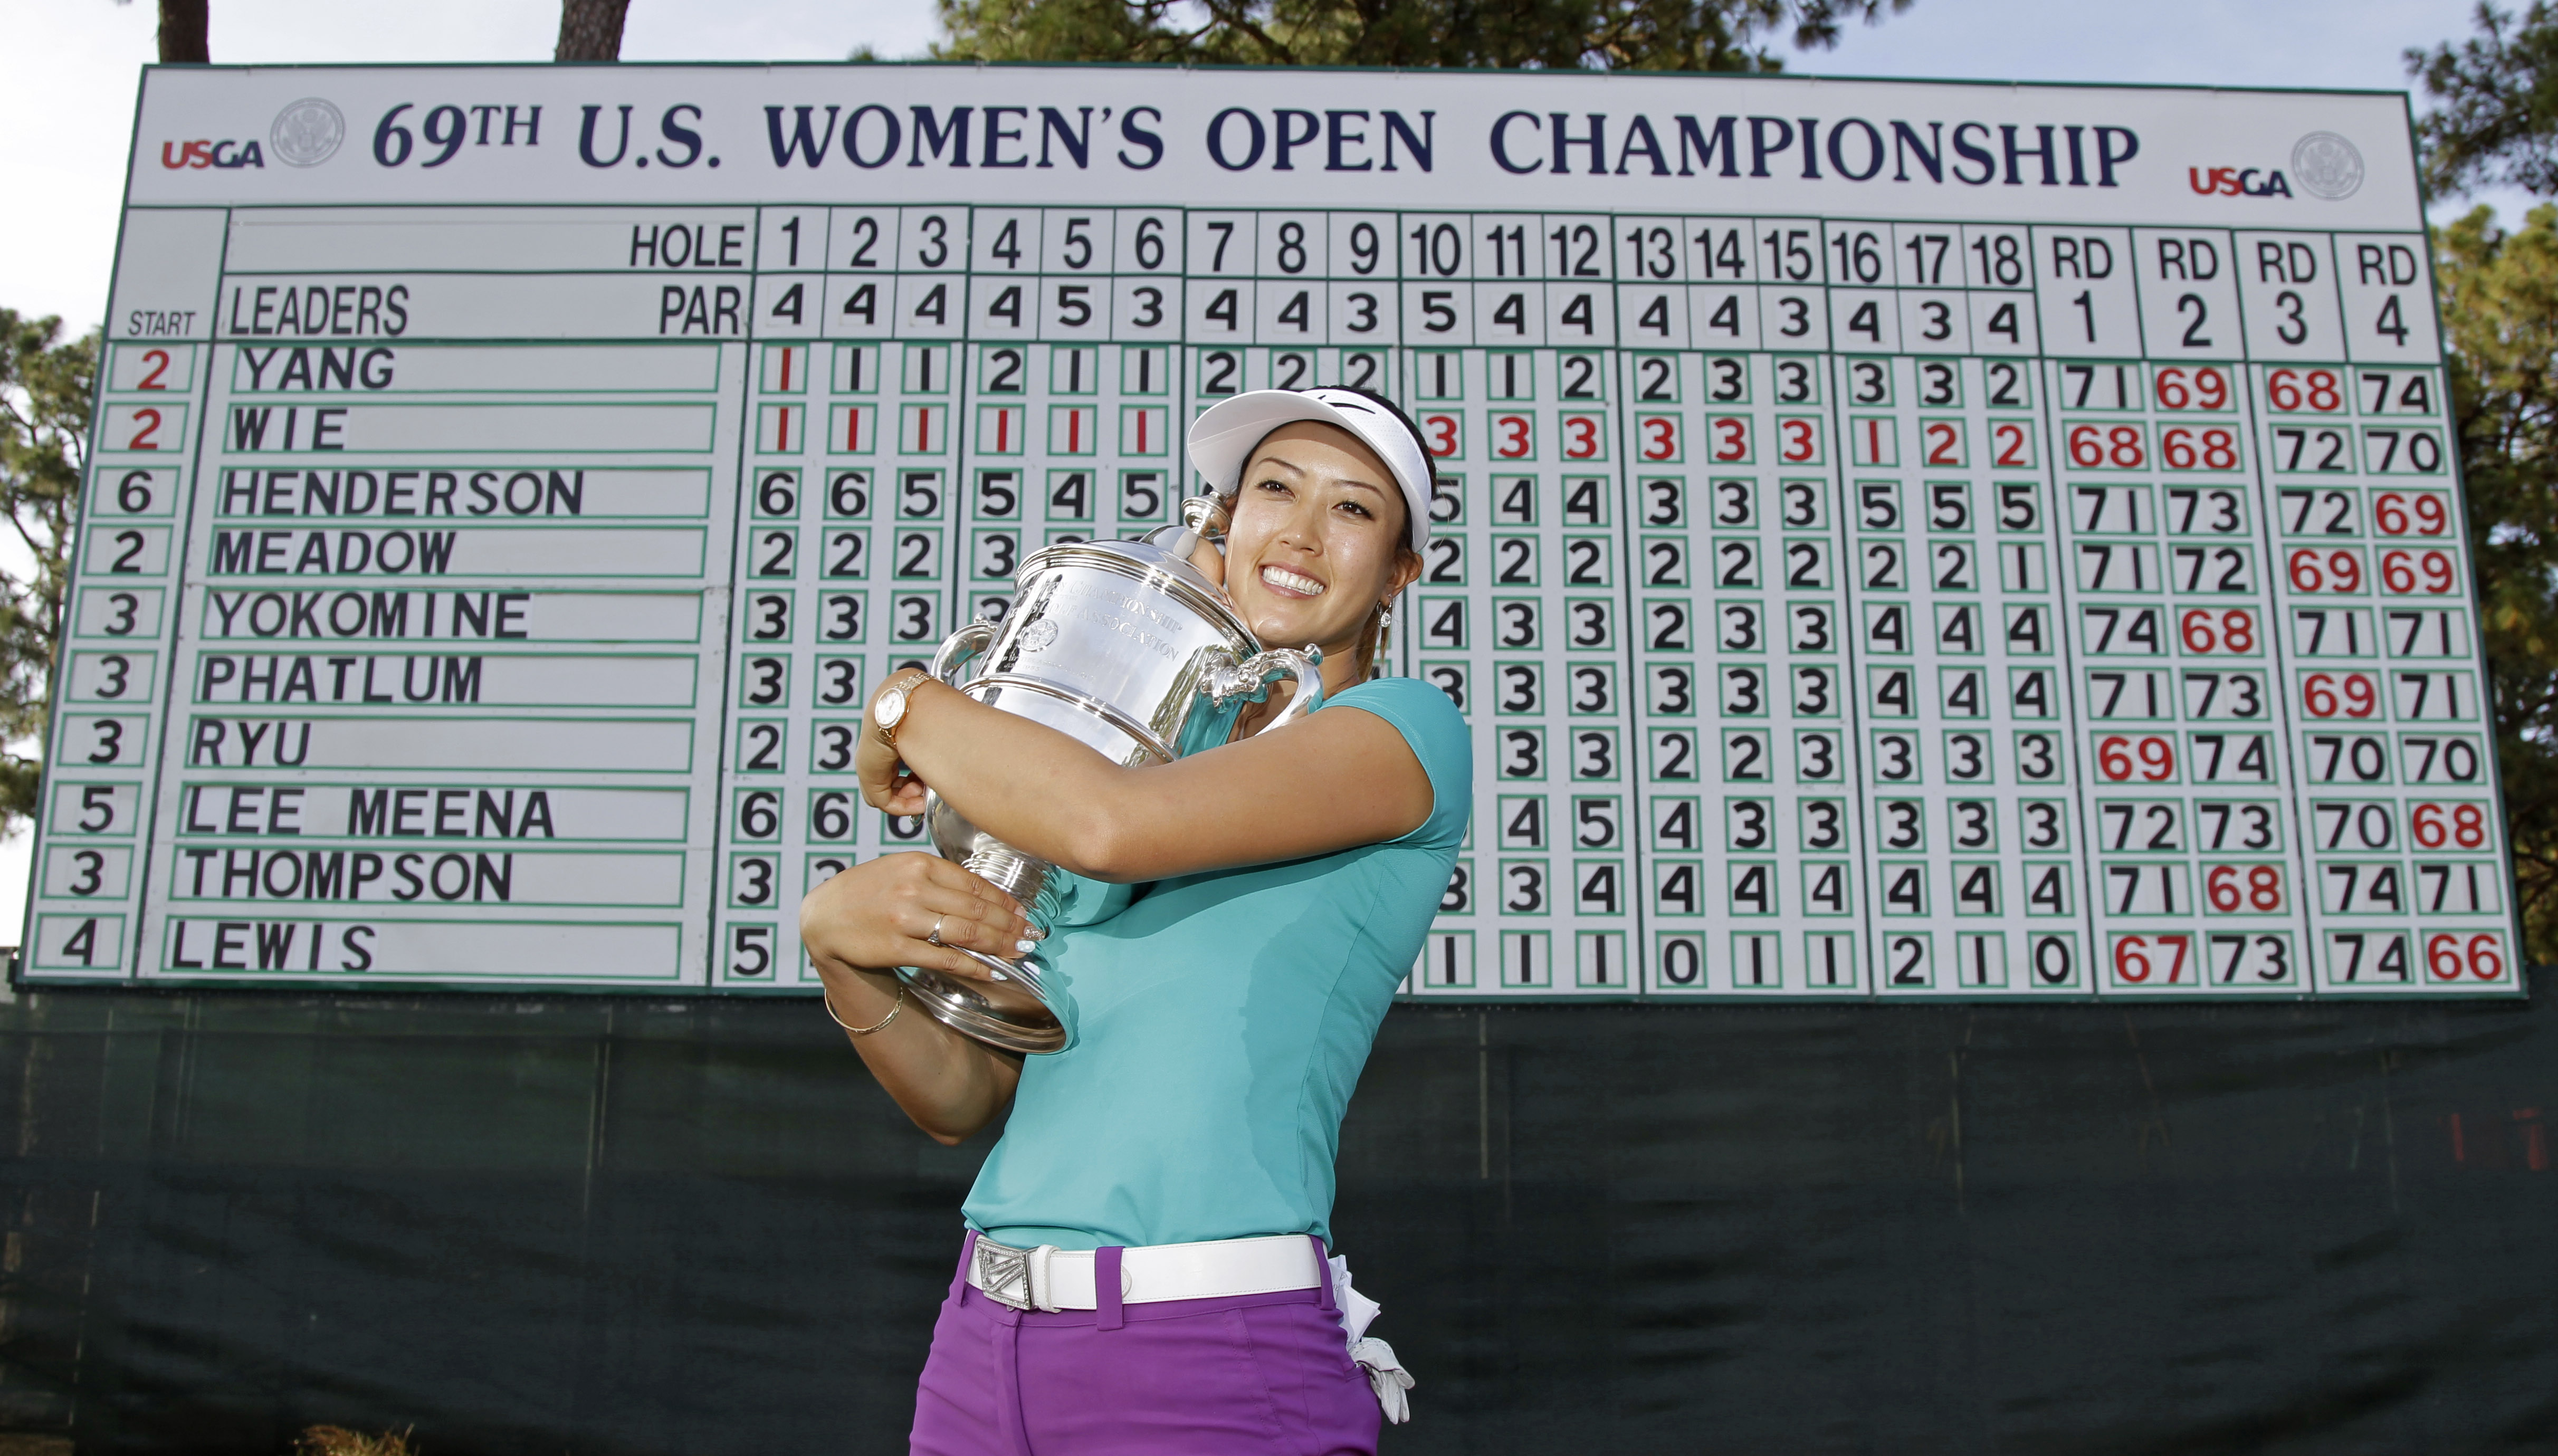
(1384, 615)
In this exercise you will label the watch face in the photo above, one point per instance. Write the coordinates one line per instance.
(891, 708)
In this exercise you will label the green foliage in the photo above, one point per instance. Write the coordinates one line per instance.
(338, 1441)
(44, 391)
(2497, 124)
(2501, 317)
(1554, 34)
(2497, 121)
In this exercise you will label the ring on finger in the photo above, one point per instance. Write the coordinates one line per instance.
(936, 937)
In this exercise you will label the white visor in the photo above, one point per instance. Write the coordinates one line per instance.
(1223, 437)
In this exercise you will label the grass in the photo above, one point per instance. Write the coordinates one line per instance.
(337, 1440)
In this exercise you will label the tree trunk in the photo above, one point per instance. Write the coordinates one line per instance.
(183, 27)
(591, 30)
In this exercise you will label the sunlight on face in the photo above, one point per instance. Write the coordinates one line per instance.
(1316, 538)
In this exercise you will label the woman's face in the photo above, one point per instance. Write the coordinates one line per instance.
(1316, 540)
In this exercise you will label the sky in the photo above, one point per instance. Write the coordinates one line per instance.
(66, 112)
(68, 116)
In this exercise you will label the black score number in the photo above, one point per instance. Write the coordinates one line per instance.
(766, 617)
(777, 493)
(830, 816)
(775, 554)
(754, 881)
(835, 743)
(848, 495)
(750, 950)
(765, 682)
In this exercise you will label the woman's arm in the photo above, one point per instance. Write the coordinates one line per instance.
(880, 914)
(1331, 781)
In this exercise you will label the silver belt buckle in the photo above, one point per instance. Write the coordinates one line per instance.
(1004, 1274)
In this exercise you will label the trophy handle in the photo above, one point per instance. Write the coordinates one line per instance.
(1205, 514)
(1248, 676)
(1204, 518)
(959, 647)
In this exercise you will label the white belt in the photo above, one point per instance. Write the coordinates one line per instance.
(1052, 1279)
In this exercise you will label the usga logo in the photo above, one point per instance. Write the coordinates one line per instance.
(2327, 165)
(179, 156)
(306, 134)
(2231, 181)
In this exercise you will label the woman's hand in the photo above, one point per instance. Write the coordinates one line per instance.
(884, 912)
(887, 784)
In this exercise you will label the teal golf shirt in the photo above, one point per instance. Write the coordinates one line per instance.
(1221, 1021)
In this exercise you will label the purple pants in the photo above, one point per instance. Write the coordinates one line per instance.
(1251, 1373)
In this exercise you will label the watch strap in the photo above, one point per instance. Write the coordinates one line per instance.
(887, 733)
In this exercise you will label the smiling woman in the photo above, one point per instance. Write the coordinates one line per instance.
(1147, 1260)
(1325, 483)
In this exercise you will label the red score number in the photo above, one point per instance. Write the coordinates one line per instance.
(2100, 447)
(1580, 437)
(2119, 757)
(1440, 433)
(2206, 630)
(2482, 957)
(2403, 573)
(1801, 442)
(2196, 389)
(2183, 449)
(2015, 447)
(2456, 826)
(1731, 438)
(1878, 447)
(2133, 963)
(1514, 437)
(2233, 888)
(2291, 391)
(2399, 513)
(2337, 571)
(1661, 439)
(1944, 442)
(2353, 694)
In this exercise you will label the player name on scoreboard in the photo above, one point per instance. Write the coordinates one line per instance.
(1939, 542)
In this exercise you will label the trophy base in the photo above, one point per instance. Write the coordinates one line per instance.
(1010, 1016)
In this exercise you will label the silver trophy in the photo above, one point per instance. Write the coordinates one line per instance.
(1123, 646)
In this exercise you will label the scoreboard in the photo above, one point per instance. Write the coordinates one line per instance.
(1895, 539)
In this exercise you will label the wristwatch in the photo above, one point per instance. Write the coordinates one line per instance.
(889, 710)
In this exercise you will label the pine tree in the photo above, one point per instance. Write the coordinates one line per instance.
(2497, 124)
(45, 386)
(1553, 35)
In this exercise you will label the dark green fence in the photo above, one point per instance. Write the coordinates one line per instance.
(608, 1225)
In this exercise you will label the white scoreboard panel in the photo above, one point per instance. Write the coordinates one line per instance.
(1896, 540)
